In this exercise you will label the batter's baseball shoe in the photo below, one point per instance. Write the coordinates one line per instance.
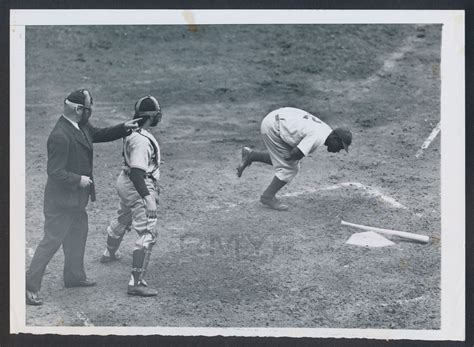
(273, 203)
(33, 299)
(245, 161)
(107, 257)
(141, 289)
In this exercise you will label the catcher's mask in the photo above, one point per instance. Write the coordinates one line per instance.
(147, 107)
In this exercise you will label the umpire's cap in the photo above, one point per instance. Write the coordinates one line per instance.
(77, 97)
(346, 136)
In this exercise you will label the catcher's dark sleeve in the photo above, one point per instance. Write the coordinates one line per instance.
(137, 176)
(107, 134)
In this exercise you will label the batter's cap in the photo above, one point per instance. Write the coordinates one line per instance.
(147, 106)
(346, 136)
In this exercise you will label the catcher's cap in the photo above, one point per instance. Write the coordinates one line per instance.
(346, 136)
(147, 106)
(77, 97)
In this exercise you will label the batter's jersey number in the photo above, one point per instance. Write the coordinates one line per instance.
(313, 118)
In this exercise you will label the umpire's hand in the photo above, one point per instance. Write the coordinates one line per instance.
(131, 124)
(85, 182)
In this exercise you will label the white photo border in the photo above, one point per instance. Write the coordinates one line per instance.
(452, 154)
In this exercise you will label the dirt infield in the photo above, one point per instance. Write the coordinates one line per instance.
(222, 259)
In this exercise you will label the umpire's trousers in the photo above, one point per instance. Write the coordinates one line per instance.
(68, 228)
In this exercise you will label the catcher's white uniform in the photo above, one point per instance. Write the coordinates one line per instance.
(286, 128)
(142, 151)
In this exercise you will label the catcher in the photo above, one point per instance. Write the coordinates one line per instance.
(137, 187)
(289, 135)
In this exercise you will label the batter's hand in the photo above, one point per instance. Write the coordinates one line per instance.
(85, 182)
(150, 205)
(131, 124)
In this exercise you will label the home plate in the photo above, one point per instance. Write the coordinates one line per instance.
(369, 239)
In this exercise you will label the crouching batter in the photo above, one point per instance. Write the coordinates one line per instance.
(137, 187)
(289, 135)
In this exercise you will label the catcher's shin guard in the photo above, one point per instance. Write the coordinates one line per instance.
(113, 244)
(137, 265)
(111, 252)
(137, 285)
(143, 246)
(146, 260)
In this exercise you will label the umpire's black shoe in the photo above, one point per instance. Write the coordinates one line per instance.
(83, 283)
(33, 299)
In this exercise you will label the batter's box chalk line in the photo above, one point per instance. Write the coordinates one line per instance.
(428, 140)
(370, 191)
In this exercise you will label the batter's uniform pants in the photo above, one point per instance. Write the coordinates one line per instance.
(64, 227)
(132, 213)
(285, 170)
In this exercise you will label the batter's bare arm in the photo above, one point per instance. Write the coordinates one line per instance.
(295, 154)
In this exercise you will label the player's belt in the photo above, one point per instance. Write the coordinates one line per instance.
(147, 175)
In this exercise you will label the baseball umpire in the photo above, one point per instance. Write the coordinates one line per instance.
(289, 135)
(69, 187)
(137, 187)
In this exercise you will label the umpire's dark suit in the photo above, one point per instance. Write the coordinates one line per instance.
(70, 155)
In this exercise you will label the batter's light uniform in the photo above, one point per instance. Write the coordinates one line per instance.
(291, 134)
(289, 127)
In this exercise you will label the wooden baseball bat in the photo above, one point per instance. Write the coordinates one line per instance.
(403, 234)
